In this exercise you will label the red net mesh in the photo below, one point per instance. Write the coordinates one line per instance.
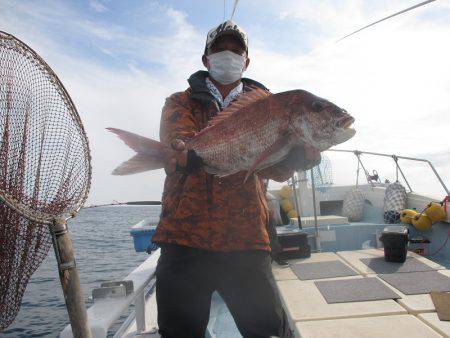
(44, 166)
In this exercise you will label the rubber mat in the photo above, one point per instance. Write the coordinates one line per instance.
(355, 290)
(379, 265)
(414, 283)
(320, 270)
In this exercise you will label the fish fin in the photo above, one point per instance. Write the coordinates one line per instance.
(241, 101)
(137, 164)
(138, 143)
(150, 153)
(216, 171)
(276, 146)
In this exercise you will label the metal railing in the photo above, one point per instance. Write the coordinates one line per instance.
(395, 158)
(358, 154)
(105, 312)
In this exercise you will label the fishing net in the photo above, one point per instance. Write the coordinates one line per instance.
(323, 175)
(45, 167)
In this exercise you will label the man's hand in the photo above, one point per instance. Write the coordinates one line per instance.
(302, 158)
(177, 157)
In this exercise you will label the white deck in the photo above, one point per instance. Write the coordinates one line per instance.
(367, 327)
(353, 258)
(415, 304)
(433, 321)
(309, 315)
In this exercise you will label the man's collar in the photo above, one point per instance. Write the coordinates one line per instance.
(200, 91)
(223, 101)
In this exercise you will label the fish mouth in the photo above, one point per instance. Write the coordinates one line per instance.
(345, 122)
(344, 135)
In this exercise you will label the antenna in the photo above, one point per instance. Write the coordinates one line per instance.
(234, 9)
(388, 17)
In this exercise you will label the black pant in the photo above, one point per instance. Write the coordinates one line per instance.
(187, 277)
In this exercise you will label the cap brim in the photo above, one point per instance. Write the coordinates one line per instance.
(225, 33)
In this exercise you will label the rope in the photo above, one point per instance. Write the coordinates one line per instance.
(442, 246)
(357, 174)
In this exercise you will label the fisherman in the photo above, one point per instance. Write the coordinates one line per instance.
(212, 230)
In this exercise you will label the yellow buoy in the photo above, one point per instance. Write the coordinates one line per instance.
(286, 205)
(421, 222)
(407, 215)
(292, 214)
(285, 192)
(435, 212)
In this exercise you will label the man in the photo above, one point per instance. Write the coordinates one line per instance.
(213, 230)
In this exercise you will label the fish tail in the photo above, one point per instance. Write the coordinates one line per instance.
(150, 153)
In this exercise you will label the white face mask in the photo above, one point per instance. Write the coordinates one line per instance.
(226, 67)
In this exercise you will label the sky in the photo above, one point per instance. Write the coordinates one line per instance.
(119, 60)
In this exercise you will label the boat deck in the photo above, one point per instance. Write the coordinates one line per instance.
(309, 314)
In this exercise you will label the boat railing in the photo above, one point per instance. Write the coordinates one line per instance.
(105, 312)
(395, 158)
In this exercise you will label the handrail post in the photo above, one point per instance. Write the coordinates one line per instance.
(401, 172)
(316, 226)
(140, 311)
(358, 154)
(439, 178)
(294, 187)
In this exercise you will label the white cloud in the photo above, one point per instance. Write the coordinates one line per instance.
(394, 78)
(97, 6)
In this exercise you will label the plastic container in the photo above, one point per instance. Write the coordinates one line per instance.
(293, 245)
(142, 234)
(395, 242)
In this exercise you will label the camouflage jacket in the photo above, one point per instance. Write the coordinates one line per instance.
(200, 210)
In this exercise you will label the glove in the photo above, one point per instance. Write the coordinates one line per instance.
(183, 160)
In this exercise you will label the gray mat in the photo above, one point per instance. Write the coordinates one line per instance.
(354, 290)
(319, 270)
(414, 283)
(379, 265)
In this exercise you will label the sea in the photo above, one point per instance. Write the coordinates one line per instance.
(103, 250)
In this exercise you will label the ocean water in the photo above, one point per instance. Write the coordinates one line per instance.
(103, 250)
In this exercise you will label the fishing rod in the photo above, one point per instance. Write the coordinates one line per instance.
(234, 9)
(386, 18)
(233, 12)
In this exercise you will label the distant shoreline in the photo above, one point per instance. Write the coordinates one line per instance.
(135, 203)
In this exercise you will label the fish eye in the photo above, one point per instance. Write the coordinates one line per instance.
(317, 106)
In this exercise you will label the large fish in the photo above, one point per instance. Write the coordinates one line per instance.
(255, 132)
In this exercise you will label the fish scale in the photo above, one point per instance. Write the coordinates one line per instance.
(235, 143)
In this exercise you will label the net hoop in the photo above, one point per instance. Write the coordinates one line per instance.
(8, 41)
